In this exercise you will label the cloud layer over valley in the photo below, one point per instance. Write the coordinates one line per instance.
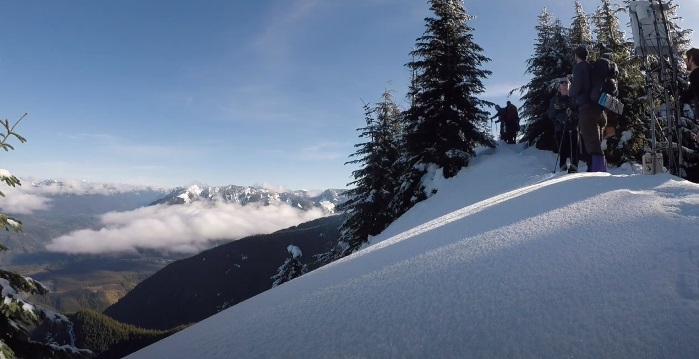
(188, 228)
(183, 229)
(17, 201)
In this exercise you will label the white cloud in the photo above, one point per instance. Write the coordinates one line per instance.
(181, 228)
(18, 201)
(273, 187)
(33, 195)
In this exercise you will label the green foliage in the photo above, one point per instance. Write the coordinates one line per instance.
(446, 120)
(580, 33)
(5, 351)
(607, 27)
(10, 132)
(19, 321)
(5, 221)
(23, 284)
(108, 338)
(366, 213)
(18, 318)
(292, 268)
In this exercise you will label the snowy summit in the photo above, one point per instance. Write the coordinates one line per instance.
(506, 260)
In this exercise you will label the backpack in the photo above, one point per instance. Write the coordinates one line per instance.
(512, 116)
(604, 88)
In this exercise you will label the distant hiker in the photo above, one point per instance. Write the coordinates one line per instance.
(591, 118)
(692, 95)
(511, 123)
(563, 112)
(500, 114)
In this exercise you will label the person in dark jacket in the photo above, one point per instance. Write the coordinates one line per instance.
(591, 117)
(563, 112)
(500, 114)
(511, 123)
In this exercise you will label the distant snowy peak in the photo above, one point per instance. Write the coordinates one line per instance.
(81, 187)
(326, 200)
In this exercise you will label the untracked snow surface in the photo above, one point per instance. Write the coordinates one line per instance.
(506, 261)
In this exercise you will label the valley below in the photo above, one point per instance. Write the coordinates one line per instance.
(78, 280)
(79, 283)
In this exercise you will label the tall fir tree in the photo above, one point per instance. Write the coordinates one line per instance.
(580, 33)
(18, 317)
(446, 120)
(374, 182)
(607, 28)
(292, 267)
(631, 133)
(552, 59)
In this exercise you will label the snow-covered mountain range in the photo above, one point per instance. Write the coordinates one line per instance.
(81, 187)
(326, 200)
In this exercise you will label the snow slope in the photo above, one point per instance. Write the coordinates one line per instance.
(506, 261)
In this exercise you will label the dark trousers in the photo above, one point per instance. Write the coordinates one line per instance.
(592, 122)
(511, 132)
(568, 142)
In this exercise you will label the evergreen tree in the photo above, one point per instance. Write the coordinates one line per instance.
(374, 182)
(606, 25)
(292, 267)
(552, 59)
(18, 318)
(446, 120)
(580, 33)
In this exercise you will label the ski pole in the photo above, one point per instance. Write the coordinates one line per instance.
(570, 154)
(560, 145)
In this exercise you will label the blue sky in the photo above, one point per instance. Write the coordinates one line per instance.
(170, 92)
